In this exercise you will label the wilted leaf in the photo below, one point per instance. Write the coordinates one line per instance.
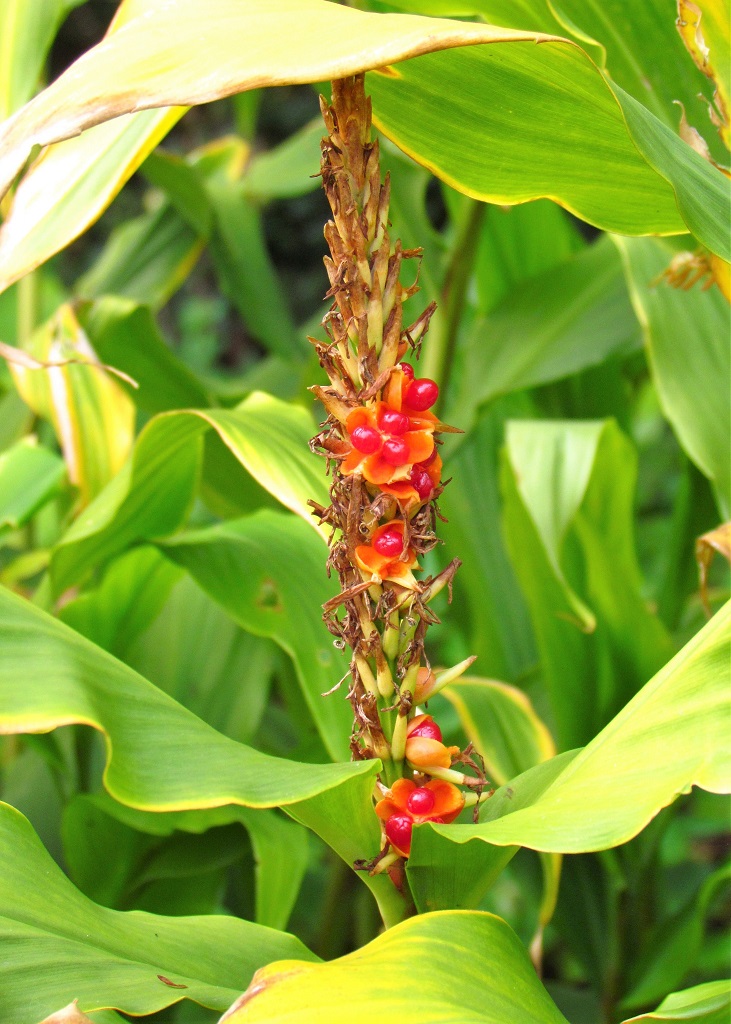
(70, 1014)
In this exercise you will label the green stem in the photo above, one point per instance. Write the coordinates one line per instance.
(439, 354)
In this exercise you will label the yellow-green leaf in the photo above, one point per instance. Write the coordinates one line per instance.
(562, 130)
(91, 413)
(450, 966)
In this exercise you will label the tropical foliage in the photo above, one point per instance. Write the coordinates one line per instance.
(180, 812)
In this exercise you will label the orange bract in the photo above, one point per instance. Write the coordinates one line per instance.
(419, 442)
(385, 567)
(448, 802)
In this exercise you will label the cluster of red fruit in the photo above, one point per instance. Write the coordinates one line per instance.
(392, 441)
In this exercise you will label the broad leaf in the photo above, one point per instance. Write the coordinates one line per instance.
(146, 259)
(503, 725)
(672, 735)
(489, 607)
(91, 413)
(572, 316)
(161, 757)
(126, 336)
(70, 186)
(445, 870)
(686, 334)
(268, 572)
(29, 476)
(672, 946)
(152, 494)
(280, 848)
(137, 962)
(643, 52)
(518, 243)
(157, 57)
(568, 522)
(287, 170)
(703, 1004)
(451, 966)
(27, 28)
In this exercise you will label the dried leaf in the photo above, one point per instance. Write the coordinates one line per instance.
(706, 547)
(70, 1014)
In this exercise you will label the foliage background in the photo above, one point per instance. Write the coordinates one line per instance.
(201, 281)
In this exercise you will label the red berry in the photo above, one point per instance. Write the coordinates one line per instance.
(421, 482)
(389, 543)
(393, 422)
(408, 370)
(395, 451)
(428, 728)
(365, 439)
(422, 394)
(421, 801)
(398, 831)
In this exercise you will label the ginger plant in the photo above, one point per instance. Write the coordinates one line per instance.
(381, 440)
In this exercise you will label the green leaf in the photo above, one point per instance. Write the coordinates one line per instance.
(468, 151)
(523, 14)
(246, 273)
(686, 334)
(644, 53)
(183, 186)
(146, 259)
(288, 170)
(672, 946)
(268, 572)
(280, 849)
(29, 476)
(27, 29)
(570, 317)
(447, 871)
(518, 243)
(70, 186)
(161, 757)
(130, 596)
(701, 190)
(704, 1004)
(488, 606)
(125, 335)
(503, 725)
(157, 58)
(450, 966)
(195, 652)
(151, 495)
(568, 522)
(618, 783)
(92, 415)
(74, 949)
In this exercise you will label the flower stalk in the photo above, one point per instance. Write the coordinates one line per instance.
(381, 441)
